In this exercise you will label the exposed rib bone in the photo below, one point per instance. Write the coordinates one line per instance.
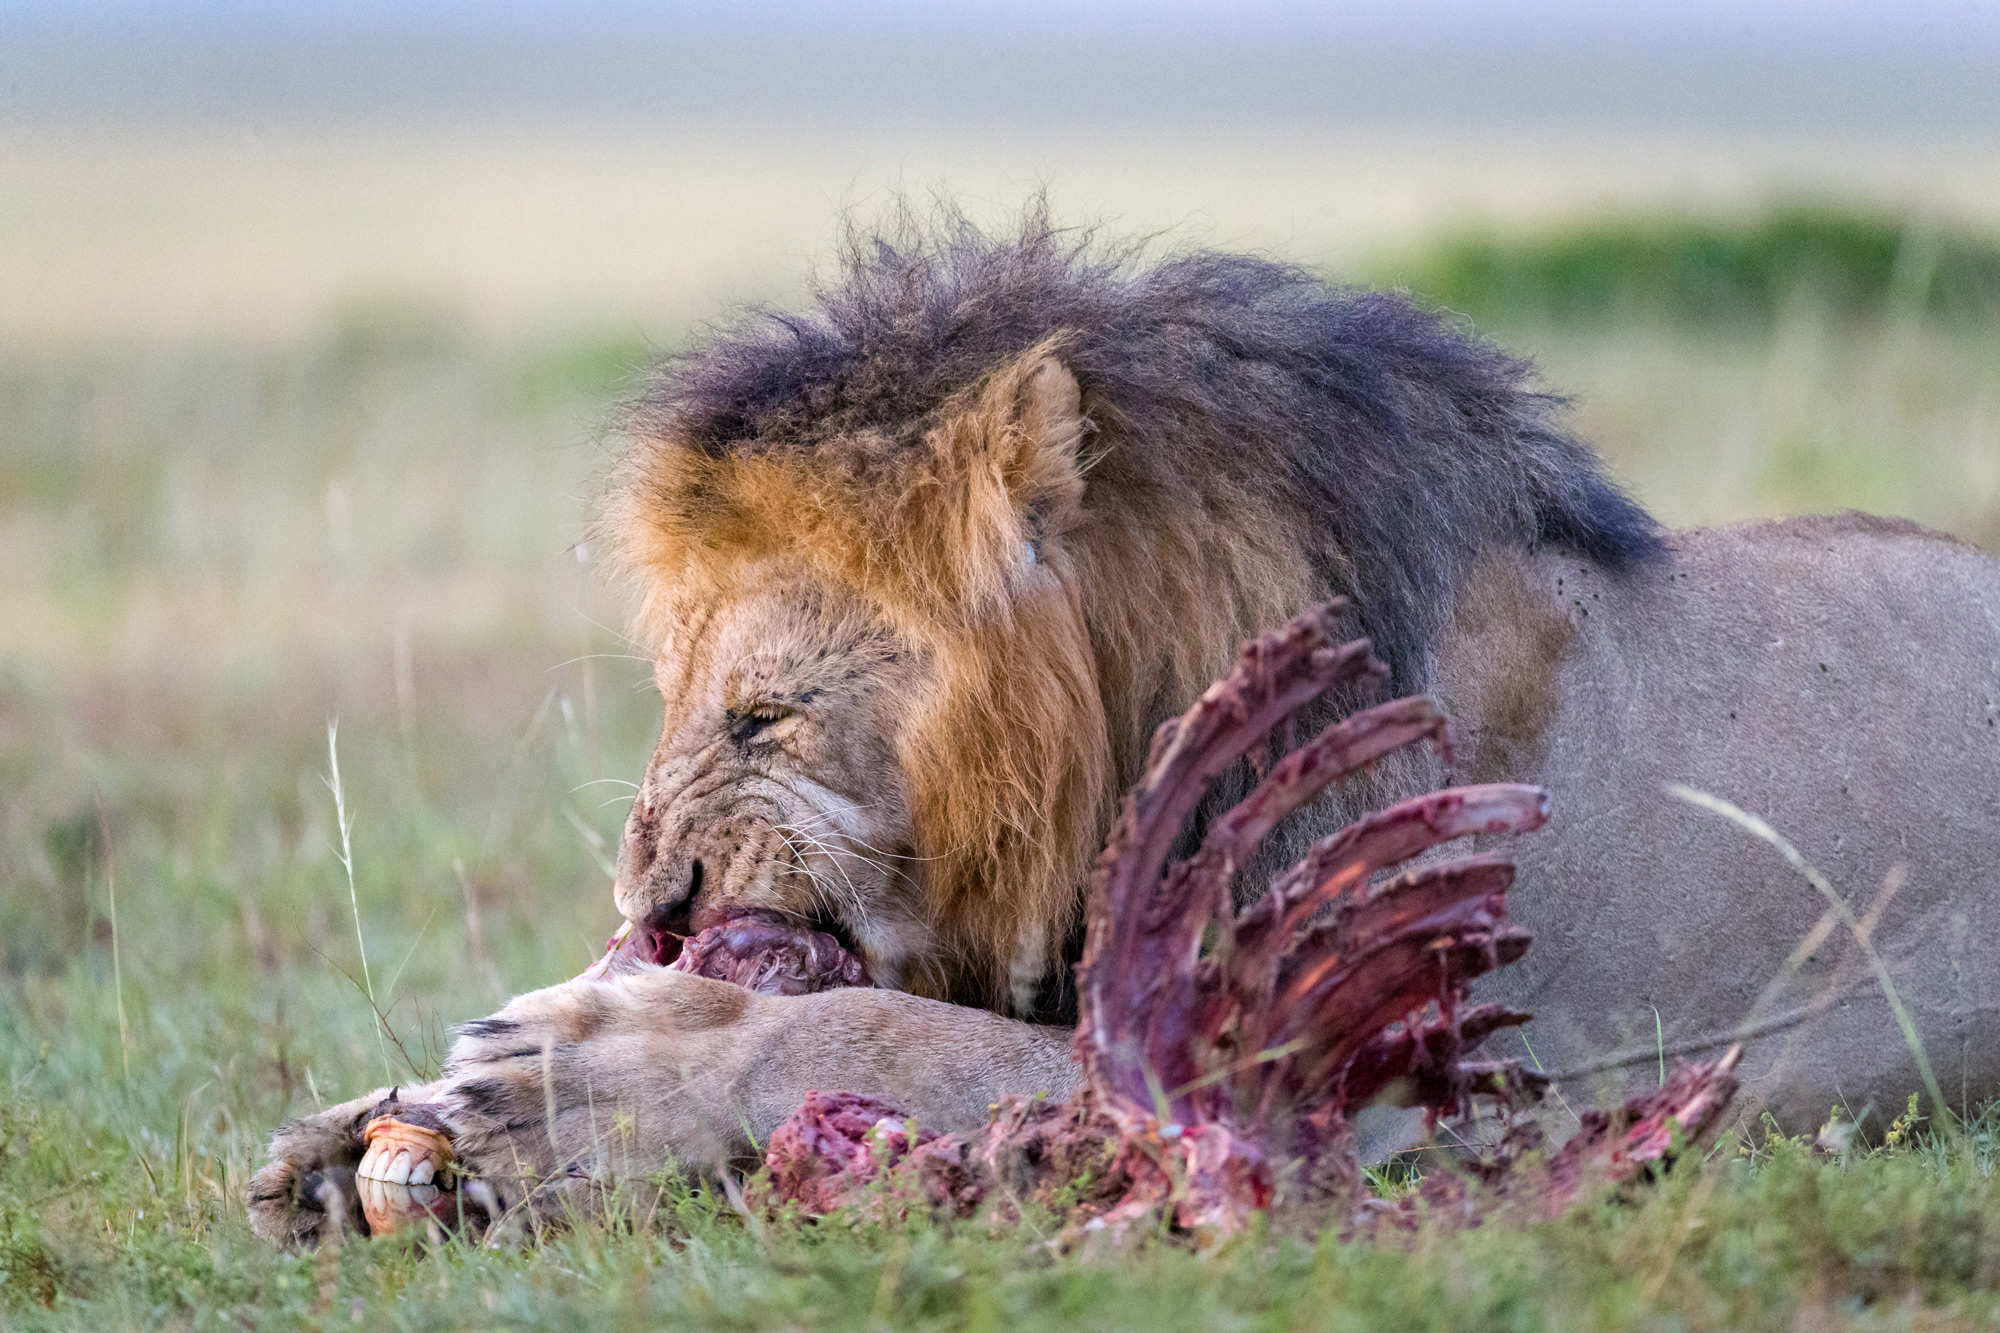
(1218, 1046)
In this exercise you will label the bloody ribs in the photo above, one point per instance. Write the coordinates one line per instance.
(1225, 1052)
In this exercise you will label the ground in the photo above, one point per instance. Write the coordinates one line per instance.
(215, 543)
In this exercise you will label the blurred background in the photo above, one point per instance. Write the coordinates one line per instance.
(311, 318)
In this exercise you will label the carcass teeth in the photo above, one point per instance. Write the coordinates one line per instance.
(423, 1172)
(399, 1169)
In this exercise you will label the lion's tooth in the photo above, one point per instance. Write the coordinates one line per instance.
(421, 1173)
(399, 1169)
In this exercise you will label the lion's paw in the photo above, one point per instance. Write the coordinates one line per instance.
(508, 1074)
(308, 1189)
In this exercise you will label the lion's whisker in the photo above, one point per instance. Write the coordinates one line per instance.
(827, 817)
(835, 852)
(841, 904)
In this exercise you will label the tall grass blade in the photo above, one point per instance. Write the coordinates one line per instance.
(353, 898)
(1756, 827)
(117, 964)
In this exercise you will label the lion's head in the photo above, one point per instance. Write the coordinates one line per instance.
(881, 698)
(922, 569)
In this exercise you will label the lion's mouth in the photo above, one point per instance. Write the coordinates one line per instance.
(756, 950)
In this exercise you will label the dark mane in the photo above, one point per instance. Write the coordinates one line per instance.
(1402, 446)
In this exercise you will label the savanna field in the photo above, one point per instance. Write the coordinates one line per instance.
(231, 525)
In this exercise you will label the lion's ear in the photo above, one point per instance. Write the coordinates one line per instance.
(1040, 445)
(1005, 479)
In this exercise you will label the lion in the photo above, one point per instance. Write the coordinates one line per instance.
(922, 567)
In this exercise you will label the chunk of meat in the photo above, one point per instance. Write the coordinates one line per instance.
(765, 954)
(772, 957)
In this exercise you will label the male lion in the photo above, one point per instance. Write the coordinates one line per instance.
(925, 565)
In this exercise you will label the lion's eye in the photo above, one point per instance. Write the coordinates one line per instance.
(758, 720)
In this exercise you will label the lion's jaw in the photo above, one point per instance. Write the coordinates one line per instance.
(776, 789)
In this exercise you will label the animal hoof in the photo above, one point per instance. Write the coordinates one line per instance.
(398, 1179)
(390, 1208)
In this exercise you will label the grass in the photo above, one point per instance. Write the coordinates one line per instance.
(1749, 270)
(212, 547)
(1779, 1239)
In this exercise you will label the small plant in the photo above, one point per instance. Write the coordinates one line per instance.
(1903, 1129)
(346, 857)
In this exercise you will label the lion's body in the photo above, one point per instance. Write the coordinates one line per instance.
(1840, 678)
(924, 568)
(1199, 449)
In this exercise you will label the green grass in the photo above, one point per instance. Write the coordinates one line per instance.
(91, 1237)
(211, 549)
(1843, 264)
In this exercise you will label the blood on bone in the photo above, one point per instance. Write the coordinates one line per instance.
(1225, 1052)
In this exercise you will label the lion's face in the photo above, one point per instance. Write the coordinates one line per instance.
(883, 709)
(777, 786)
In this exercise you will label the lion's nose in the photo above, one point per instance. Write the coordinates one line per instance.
(666, 919)
(670, 914)
(647, 867)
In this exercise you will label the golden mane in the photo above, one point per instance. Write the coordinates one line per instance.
(1045, 666)
(1077, 484)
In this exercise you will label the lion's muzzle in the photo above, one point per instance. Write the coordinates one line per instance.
(658, 875)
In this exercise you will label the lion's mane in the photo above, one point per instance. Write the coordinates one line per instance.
(1250, 438)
